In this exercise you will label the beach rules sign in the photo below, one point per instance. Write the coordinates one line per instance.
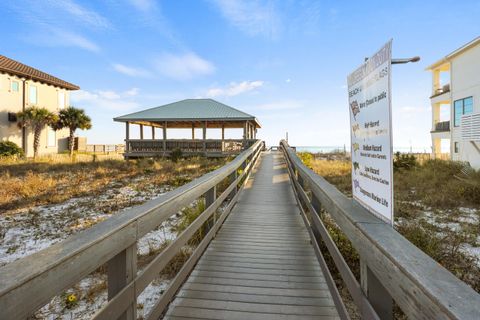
(371, 133)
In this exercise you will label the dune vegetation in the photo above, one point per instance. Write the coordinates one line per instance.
(437, 206)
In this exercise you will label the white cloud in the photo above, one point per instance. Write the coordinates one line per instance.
(60, 38)
(280, 105)
(130, 71)
(234, 89)
(105, 99)
(57, 23)
(143, 5)
(251, 16)
(184, 66)
(132, 92)
(80, 13)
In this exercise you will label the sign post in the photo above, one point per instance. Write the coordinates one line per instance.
(371, 133)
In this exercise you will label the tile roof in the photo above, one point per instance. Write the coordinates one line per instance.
(14, 67)
(189, 110)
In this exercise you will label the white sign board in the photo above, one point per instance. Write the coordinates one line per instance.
(371, 134)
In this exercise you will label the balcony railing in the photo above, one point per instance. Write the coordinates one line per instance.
(442, 90)
(442, 126)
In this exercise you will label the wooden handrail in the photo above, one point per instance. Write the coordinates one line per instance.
(418, 284)
(29, 283)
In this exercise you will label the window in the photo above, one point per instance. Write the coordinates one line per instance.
(461, 107)
(61, 99)
(51, 137)
(456, 147)
(33, 95)
(14, 86)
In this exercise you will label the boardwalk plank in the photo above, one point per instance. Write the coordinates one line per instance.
(255, 307)
(261, 264)
(256, 298)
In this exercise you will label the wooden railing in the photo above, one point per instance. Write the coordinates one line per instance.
(391, 268)
(442, 126)
(187, 146)
(29, 283)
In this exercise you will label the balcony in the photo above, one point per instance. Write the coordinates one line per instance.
(439, 91)
(442, 126)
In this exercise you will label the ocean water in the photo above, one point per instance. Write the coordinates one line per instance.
(319, 149)
(328, 149)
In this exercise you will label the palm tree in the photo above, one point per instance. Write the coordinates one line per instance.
(36, 118)
(73, 119)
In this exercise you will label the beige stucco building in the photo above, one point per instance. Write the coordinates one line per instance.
(22, 86)
(456, 103)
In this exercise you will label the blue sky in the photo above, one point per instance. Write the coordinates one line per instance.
(285, 62)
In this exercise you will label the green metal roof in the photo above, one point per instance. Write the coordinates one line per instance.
(189, 110)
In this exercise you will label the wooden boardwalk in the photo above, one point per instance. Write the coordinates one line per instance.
(261, 264)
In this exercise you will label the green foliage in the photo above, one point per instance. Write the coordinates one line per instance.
(438, 184)
(73, 119)
(189, 214)
(9, 148)
(404, 161)
(444, 247)
(306, 157)
(36, 118)
(176, 155)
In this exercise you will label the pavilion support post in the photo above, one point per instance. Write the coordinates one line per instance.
(153, 133)
(127, 138)
(165, 136)
(205, 137)
(245, 134)
(193, 131)
(141, 132)
(223, 137)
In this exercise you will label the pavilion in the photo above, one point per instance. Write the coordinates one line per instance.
(189, 114)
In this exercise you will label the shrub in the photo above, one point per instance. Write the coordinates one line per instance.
(306, 157)
(9, 148)
(404, 161)
(176, 155)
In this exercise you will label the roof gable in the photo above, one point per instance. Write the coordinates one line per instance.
(188, 110)
(475, 42)
(17, 68)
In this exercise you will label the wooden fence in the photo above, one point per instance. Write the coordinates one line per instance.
(392, 268)
(105, 148)
(29, 283)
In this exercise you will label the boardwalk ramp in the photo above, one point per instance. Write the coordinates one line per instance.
(261, 264)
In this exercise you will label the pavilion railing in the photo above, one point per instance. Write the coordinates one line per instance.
(187, 146)
(29, 283)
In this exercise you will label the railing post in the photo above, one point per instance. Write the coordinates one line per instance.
(232, 178)
(377, 295)
(122, 269)
(210, 197)
(300, 180)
